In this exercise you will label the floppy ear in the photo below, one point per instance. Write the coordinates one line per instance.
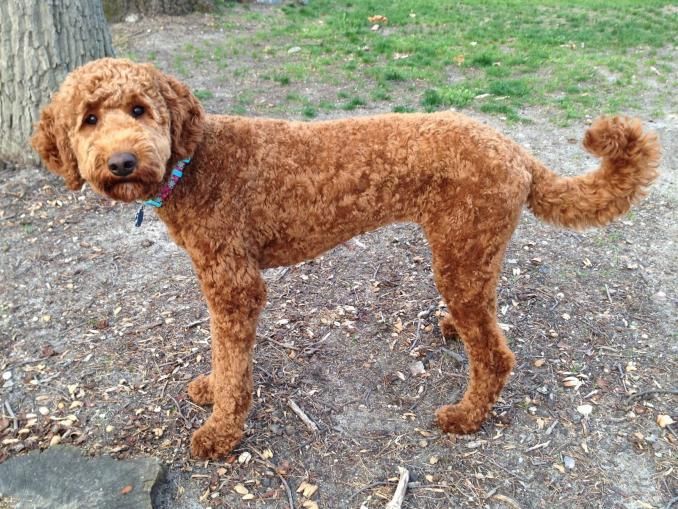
(186, 116)
(52, 143)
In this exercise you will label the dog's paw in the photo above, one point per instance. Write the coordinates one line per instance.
(459, 419)
(200, 390)
(212, 442)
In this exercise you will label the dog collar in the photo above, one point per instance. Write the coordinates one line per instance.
(175, 177)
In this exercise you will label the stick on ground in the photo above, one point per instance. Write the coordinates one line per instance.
(397, 500)
(305, 418)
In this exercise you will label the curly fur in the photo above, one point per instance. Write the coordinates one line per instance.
(262, 193)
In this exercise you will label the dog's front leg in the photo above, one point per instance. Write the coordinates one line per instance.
(235, 294)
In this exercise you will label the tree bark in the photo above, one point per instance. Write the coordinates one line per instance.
(116, 10)
(40, 42)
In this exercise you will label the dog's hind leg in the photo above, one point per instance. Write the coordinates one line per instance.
(466, 276)
(201, 391)
(447, 328)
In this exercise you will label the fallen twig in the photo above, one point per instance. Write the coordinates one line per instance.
(22, 363)
(15, 421)
(284, 345)
(399, 494)
(642, 394)
(197, 322)
(176, 403)
(506, 500)
(300, 413)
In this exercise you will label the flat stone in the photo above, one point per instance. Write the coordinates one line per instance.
(62, 477)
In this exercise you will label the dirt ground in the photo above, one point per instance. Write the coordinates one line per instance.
(102, 326)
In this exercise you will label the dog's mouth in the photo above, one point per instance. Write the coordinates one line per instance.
(131, 188)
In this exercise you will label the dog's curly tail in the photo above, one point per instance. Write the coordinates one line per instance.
(630, 159)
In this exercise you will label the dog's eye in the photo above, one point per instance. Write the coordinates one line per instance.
(91, 119)
(137, 111)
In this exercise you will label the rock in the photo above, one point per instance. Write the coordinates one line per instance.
(659, 297)
(62, 477)
(417, 368)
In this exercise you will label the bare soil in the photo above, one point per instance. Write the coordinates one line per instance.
(102, 326)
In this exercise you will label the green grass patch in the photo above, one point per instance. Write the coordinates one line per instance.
(282, 79)
(576, 57)
(380, 94)
(510, 88)
(309, 111)
(393, 75)
(203, 95)
(354, 103)
(503, 110)
(457, 96)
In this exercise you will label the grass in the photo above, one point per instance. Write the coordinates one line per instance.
(354, 103)
(574, 57)
(203, 95)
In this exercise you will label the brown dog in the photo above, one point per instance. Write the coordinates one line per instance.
(262, 193)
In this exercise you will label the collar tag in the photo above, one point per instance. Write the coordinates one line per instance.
(139, 217)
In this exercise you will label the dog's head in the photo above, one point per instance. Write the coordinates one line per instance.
(119, 126)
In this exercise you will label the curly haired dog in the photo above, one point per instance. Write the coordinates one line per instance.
(262, 193)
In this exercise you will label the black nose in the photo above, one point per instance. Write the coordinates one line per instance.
(122, 163)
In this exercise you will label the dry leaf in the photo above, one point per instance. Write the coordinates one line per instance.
(539, 363)
(307, 489)
(459, 59)
(433, 460)
(283, 468)
(240, 489)
(664, 420)
(309, 504)
(127, 489)
(245, 457)
(585, 410)
(248, 496)
(378, 18)
(572, 381)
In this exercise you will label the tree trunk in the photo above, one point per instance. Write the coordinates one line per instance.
(40, 42)
(116, 10)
